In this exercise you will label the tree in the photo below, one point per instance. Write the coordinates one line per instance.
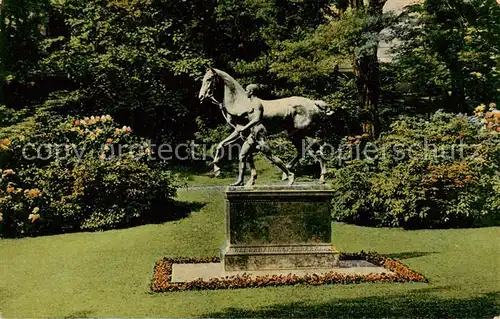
(351, 34)
(22, 27)
(449, 54)
(138, 60)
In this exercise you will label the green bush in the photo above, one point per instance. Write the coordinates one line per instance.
(447, 176)
(9, 116)
(93, 191)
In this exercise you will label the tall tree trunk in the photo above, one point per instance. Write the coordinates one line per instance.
(3, 50)
(367, 71)
(458, 103)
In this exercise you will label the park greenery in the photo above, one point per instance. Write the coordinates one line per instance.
(104, 72)
(108, 274)
(78, 183)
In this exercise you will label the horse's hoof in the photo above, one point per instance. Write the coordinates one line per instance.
(237, 183)
(250, 183)
(216, 171)
(291, 179)
(284, 177)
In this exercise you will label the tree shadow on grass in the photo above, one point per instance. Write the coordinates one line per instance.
(173, 211)
(410, 254)
(80, 314)
(395, 306)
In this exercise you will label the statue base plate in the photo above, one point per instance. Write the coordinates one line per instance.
(279, 257)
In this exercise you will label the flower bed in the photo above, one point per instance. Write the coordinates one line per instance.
(163, 274)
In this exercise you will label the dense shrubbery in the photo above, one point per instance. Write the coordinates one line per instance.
(141, 61)
(10, 117)
(438, 173)
(78, 183)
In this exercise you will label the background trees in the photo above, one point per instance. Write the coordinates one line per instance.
(141, 62)
(449, 54)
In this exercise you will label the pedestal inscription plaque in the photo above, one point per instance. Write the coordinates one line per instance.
(278, 227)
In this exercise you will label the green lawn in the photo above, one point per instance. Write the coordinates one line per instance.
(266, 173)
(107, 274)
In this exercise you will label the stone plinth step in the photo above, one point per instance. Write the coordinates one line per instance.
(267, 257)
(207, 271)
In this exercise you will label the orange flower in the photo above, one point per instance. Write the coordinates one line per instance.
(109, 140)
(34, 193)
(126, 129)
(498, 129)
(34, 216)
(76, 123)
(9, 172)
(5, 142)
(117, 131)
(1, 217)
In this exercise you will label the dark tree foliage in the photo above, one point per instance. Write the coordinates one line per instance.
(137, 60)
(22, 27)
(449, 55)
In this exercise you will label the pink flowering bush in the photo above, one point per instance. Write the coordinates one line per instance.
(79, 174)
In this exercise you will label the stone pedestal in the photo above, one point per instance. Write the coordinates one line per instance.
(279, 228)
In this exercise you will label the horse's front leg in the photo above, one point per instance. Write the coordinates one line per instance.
(217, 157)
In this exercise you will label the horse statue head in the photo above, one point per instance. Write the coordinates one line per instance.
(208, 85)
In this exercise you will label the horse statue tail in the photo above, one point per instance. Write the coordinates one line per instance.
(323, 107)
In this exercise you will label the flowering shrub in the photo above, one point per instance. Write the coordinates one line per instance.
(447, 176)
(162, 275)
(75, 174)
(489, 118)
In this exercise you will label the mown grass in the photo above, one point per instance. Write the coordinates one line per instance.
(107, 274)
(267, 173)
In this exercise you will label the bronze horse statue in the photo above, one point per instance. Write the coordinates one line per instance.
(251, 116)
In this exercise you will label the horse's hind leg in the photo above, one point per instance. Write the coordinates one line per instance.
(315, 150)
(297, 142)
(322, 163)
(266, 150)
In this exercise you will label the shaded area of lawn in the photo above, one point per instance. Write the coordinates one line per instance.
(393, 306)
(107, 274)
